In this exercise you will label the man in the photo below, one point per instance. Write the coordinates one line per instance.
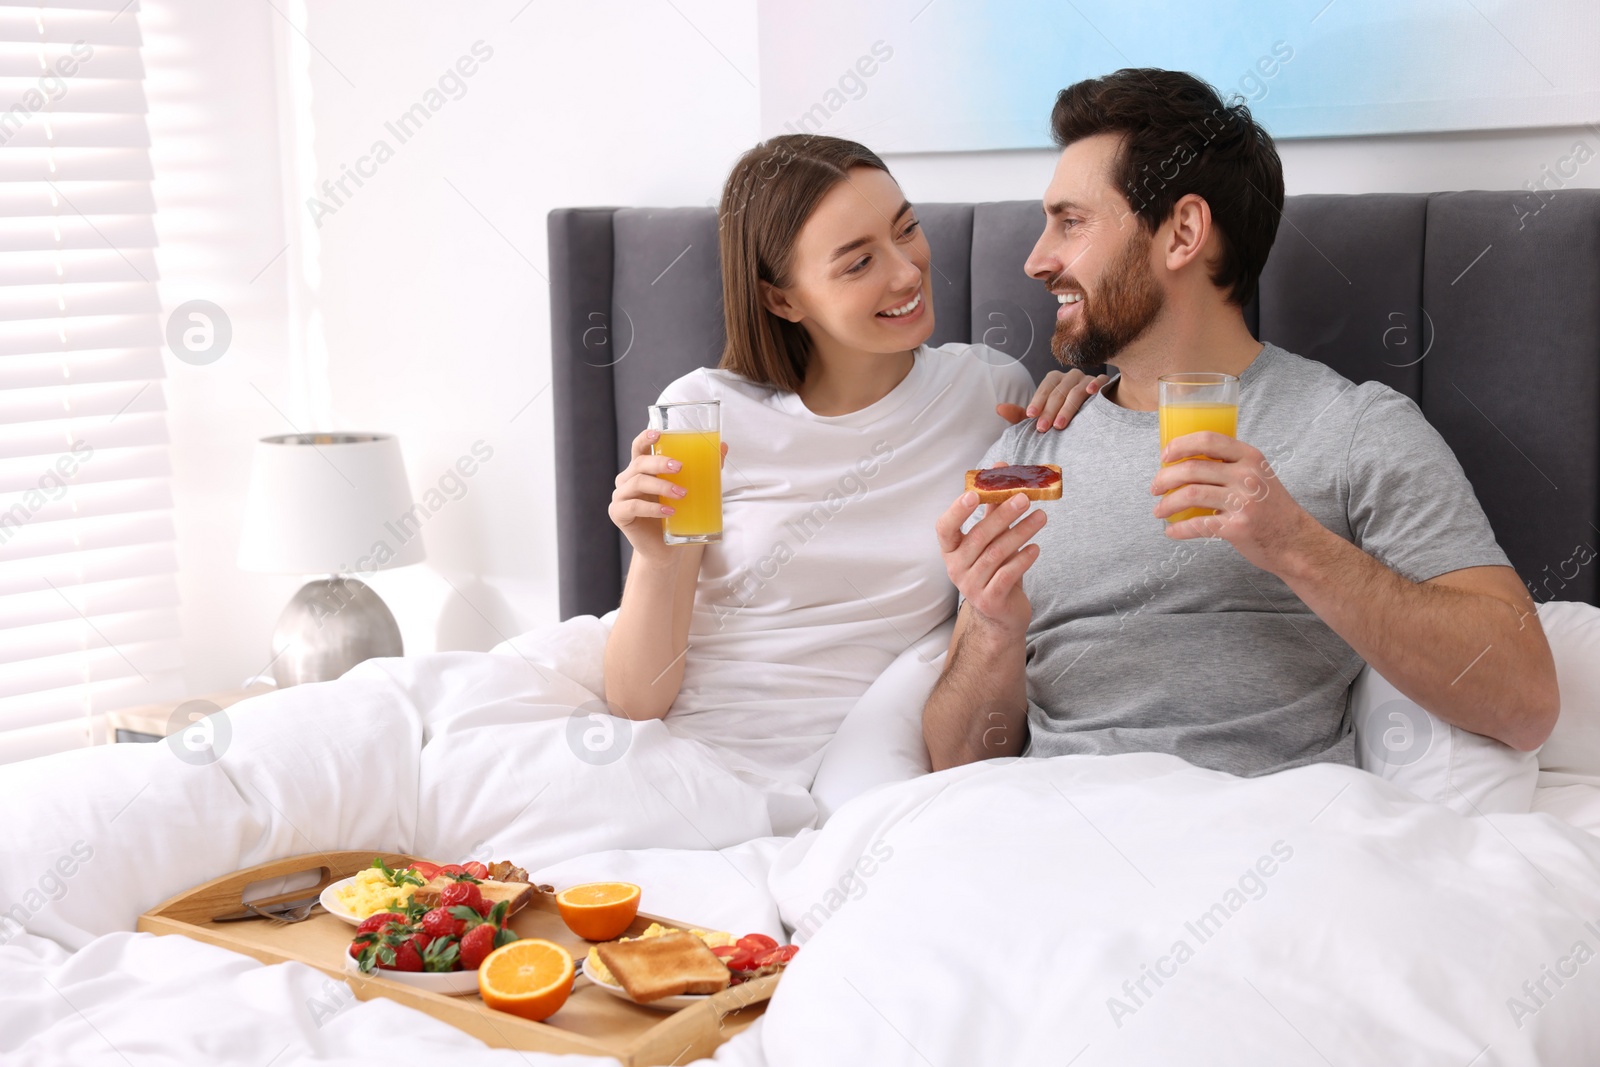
(1344, 529)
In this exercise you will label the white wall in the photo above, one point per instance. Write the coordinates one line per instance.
(434, 306)
(433, 291)
(210, 74)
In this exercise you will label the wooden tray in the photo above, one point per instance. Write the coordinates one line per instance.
(592, 1021)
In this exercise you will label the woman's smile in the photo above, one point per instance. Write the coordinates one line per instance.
(908, 312)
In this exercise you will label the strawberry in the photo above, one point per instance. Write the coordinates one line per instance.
(406, 957)
(484, 908)
(461, 893)
(374, 923)
(439, 923)
(476, 944)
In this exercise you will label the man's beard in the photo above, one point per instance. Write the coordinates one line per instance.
(1126, 302)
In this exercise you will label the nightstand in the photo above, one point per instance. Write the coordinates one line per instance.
(151, 722)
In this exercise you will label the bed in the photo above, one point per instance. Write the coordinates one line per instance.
(1123, 910)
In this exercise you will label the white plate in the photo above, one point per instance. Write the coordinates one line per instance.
(683, 1000)
(330, 902)
(450, 983)
(331, 905)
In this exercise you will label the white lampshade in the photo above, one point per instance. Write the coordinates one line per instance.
(329, 503)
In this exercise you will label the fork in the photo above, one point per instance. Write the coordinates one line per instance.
(287, 913)
(290, 911)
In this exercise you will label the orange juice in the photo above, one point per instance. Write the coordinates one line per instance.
(699, 513)
(1180, 419)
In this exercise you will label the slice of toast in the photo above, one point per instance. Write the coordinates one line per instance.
(665, 966)
(1039, 481)
(516, 893)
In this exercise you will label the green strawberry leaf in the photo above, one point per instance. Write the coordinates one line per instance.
(466, 914)
(503, 936)
(443, 954)
(497, 914)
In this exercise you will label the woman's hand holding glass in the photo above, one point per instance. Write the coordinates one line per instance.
(638, 504)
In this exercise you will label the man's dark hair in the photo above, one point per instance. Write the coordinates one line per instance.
(1178, 137)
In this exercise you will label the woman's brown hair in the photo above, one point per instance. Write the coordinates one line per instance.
(771, 193)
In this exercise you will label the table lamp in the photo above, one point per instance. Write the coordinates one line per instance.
(337, 504)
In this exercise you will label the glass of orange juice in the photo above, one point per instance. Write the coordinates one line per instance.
(692, 435)
(1190, 403)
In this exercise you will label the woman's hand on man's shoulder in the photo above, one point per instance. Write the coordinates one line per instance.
(1056, 401)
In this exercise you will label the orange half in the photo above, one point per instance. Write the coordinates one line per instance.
(527, 977)
(599, 911)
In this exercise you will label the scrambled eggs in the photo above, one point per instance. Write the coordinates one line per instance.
(597, 970)
(371, 893)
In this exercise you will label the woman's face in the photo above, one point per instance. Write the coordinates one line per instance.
(859, 277)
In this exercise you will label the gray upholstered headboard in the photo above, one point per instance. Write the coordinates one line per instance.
(1483, 307)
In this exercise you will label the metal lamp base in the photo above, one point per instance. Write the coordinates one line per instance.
(329, 626)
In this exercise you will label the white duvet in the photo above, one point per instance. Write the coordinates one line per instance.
(1138, 910)
(1125, 910)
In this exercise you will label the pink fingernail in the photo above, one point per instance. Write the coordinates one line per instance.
(666, 510)
(1033, 409)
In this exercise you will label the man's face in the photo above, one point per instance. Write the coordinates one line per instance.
(1095, 254)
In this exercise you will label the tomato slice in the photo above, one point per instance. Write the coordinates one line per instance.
(476, 869)
(425, 869)
(452, 868)
(724, 951)
(757, 943)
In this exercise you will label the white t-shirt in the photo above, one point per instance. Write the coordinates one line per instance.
(828, 566)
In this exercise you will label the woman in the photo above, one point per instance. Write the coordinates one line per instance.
(845, 436)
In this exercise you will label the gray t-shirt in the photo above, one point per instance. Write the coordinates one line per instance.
(1143, 644)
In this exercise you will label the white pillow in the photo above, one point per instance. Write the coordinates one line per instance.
(880, 740)
(1402, 743)
(575, 647)
(1572, 754)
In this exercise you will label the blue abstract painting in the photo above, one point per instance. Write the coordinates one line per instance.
(966, 75)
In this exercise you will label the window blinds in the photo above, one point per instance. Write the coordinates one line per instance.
(88, 594)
